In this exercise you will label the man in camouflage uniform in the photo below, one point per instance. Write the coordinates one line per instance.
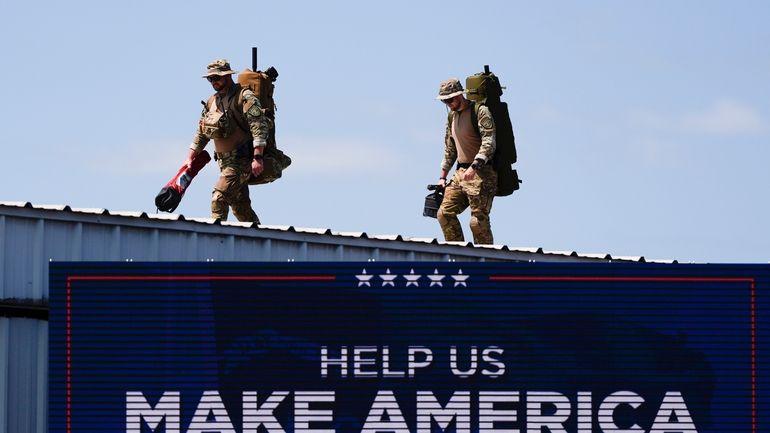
(475, 181)
(233, 118)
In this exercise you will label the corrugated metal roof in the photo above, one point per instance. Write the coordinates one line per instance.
(246, 229)
(32, 235)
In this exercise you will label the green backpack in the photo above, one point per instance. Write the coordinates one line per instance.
(484, 89)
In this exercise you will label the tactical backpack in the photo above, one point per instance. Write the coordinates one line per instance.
(261, 83)
(484, 89)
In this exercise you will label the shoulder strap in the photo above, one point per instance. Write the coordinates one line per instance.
(239, 117)
(240, 94)
(475, 117)
(212, 101)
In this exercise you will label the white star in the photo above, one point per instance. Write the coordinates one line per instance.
(363, 279)
(460, 278)
(411, 279)
(387, 278)
(435, 279)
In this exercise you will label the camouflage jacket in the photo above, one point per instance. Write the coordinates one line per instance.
(246, 117)
(486, 130)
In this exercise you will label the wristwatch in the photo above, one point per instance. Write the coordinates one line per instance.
(478, 163)
(259, 157)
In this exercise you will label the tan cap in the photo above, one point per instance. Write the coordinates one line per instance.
(218, 67)
(449, 89)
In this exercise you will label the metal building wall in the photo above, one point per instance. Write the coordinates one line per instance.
(23, 375)
(32, 236)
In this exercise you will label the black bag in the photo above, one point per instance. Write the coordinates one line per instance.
(484, 88)
(433, 201)
(168, 199)
(507, 180)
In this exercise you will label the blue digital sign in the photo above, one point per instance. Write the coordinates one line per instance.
(408, 347)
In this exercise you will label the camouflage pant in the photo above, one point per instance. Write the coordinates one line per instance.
(232, 190)
(477, 193)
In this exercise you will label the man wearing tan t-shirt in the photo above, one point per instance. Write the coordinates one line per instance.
(475, 181)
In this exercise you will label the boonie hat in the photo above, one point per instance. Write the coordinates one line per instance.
(449, 89)
(219, 67)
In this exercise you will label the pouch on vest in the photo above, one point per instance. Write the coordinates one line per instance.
(214, 124)
(484, 88)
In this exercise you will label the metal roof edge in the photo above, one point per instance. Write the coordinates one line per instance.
(395, 241)
(629, 258)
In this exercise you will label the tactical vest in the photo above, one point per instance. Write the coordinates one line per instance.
(230, 132)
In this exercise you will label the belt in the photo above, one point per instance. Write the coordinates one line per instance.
(220, 155)
(239, 150)
(463, 165)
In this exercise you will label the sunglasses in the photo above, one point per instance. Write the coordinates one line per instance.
(448, 101)
(214, 78)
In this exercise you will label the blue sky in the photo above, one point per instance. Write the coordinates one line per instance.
(642, 127)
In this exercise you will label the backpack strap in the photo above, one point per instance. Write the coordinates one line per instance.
(208, 103)
(475, 117)
(239, 117)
